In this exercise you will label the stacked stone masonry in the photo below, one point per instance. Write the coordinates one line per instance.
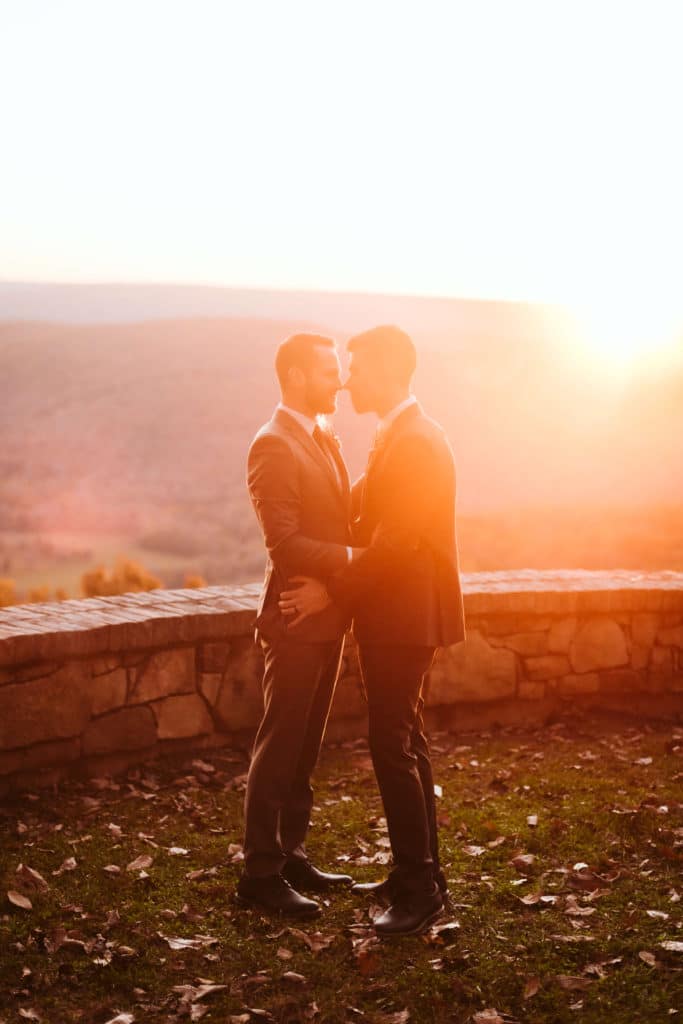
(92, 686)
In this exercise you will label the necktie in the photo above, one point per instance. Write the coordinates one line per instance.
(322, 443)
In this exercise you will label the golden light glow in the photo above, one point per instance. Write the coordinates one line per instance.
(447, 150)
(630, 329)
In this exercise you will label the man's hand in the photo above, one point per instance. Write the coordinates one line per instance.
(309, 598)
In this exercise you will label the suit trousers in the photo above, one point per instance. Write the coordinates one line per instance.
(393, 679)
(298, 686)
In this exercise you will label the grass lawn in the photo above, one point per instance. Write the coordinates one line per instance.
(584, 926)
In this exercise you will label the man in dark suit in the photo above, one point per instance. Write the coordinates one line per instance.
(299, 488)
(403, 591)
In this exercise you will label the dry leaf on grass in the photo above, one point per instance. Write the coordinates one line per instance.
(297, 979)
(140, 863)
(523, 862)
(69, 864)
(573, 909)
(31, 879)
(198, 942)
(531, 987)
(488, 1016)
(570, 983)
(315, 942)
(19, 900)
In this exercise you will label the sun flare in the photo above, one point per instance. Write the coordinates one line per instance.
(628, 330)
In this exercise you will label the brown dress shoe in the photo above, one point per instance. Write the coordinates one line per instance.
(274, 895)
(304, 875)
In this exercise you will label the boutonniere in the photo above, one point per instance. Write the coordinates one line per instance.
(329, 431)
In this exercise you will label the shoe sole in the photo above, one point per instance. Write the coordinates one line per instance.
(419, 930)
(246, 904)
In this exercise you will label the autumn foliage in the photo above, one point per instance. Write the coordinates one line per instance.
(126, 577)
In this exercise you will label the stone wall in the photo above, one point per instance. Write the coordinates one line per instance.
(91, 686)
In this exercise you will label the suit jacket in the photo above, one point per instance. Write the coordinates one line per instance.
(305, 518)
(404, 588)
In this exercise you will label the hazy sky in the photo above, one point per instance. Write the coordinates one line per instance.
(514, 149)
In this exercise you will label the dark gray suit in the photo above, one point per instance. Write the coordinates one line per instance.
(303, 507)
(404, 593)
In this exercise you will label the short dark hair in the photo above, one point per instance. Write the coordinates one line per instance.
(391, 347)
(297, 350)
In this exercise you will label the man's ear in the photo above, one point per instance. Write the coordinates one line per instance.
(297, 377)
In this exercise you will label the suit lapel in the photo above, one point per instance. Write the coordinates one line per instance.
(336, 456)
(379, 451)
(305, 440)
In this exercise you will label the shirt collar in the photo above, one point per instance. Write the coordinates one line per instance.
(304, 421)
(394, 413)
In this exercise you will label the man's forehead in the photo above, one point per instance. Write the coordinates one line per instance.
(326, 355)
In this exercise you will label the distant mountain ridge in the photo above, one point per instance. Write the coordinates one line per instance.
(345, 312)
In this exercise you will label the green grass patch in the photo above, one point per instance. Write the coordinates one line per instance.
(584, 928)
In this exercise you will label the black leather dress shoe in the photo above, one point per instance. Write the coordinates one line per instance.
(304, 875)
(410, 915)
(386, 892)
(275, 895)
(381, 892)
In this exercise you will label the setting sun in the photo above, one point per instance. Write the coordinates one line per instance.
(629, 329)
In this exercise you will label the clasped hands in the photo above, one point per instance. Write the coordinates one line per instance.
(309, 598)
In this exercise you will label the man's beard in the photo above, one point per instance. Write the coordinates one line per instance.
(323, 405)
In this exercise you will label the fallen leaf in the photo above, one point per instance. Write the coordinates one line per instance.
(178, 851)
(32, 879)
(198, 942)
(67, 865)
(122, 1018)
(140, 863)
(18, 900)
(112, 869)
(658, 915)
(532, 820)
(315, 942)
(647, 958)
(474, 851)
(194, 994)
(523, 862)
(29, 1014)
(488, 1016)
(570, 983)
(672, 946)
(298, 979)
(573, 908)
(531, 987)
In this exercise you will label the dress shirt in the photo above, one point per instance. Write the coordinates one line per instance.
(387, 420)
